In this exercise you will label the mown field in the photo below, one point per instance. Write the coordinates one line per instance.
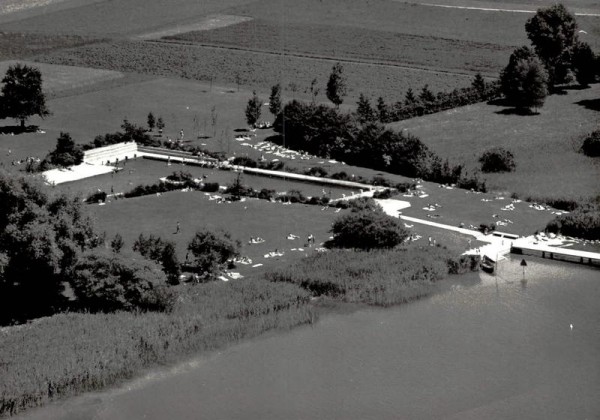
(546, 146)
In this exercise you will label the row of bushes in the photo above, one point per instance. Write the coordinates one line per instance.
(382, 277)
(429, 103)
(162, 187)
(72, 353)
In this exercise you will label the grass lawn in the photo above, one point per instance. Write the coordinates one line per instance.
(251, 218)
(145, 171)
(57, 78)
(545, 145)
(459, 206)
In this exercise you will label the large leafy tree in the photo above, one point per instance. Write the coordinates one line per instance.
(107, 283)
(41, 238)
(336, 85)
(553, 33)
(524, 81)
(22, 95)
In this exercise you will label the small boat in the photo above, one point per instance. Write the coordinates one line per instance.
(487, 265)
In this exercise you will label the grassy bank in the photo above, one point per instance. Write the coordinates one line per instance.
(381, 278)
(72, 353)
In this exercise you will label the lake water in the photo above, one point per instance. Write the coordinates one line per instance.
(486, 347)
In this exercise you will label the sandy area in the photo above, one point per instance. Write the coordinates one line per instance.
(206, 24)
(12, 6)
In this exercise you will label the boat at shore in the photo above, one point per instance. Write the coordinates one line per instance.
(487, 265)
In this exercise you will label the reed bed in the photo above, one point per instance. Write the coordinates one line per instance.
(380, 278)
(68, 354)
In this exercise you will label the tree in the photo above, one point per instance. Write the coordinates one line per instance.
(336, 85)
(160, 125)
(211, 250)
(275, 100)
(367, 230)
(553, 33)
(478, 84)
(66, 153)
(151, 121)
(22, 95)
(40, 240)
(497, 159)
(314, 90)
(117, 243)
(409, 98)
(170, 263)
(364, 110)
(426, 94)
(382, 110)
(108, 283)
(524, 80)
(253, 109)
(584, 61)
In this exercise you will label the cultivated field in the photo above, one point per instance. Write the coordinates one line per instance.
(259, 70)
(546, 146)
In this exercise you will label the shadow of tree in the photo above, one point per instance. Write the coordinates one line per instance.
(17, 129)
(517, 111)
(593, 104)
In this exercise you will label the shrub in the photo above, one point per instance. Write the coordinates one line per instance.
(497, 160)
(292, 196)
(108, 283)
(316, 171)
(363, 204)
(383, 194)
(96, 197)
(244, 161)
(343, 176)
(66, 153)
(583, 223)
(267, 194)
(367, 229)
(487, 227)
(211, 250)
(180, 176)
(210, 187)
(591, 145)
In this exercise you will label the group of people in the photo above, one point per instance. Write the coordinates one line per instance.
(28, 160)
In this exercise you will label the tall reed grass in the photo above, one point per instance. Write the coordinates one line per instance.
(384, 278)
(68, 354)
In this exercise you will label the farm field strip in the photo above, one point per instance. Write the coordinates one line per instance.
(250, 69)
(340, 42)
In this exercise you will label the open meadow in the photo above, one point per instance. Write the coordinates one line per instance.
(546, 146)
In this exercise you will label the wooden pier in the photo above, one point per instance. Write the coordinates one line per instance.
(541, 250)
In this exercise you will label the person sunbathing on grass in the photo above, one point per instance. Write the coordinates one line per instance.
(292, 237)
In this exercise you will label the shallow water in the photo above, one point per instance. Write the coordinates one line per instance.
(485, 347)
